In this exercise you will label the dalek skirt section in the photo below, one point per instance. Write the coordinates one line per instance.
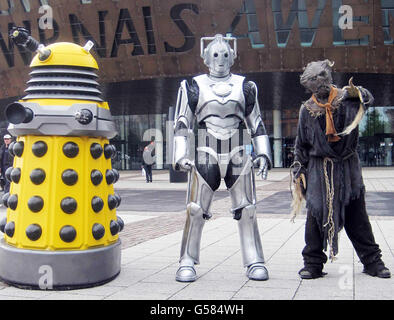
(61, 195)
(61, 213)
(61, 229)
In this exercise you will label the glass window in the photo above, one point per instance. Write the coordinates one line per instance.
(387, 11)
(387, 3)
(134, 133)
(276, 5)
(376, 138)
(248, 9)
(297, 12)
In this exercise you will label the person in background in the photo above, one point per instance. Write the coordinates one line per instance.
(6, 161)
(148, 160)
(290, 159)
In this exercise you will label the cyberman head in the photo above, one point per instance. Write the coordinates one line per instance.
(317, 77)
(218, 55)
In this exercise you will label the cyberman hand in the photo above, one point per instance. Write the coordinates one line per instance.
(185, 164)
(263, 166)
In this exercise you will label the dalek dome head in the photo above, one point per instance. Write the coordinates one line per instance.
(63, 96)
(66, 54)
(64, 70)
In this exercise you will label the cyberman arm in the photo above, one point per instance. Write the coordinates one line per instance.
(183, 124)
(255, 124)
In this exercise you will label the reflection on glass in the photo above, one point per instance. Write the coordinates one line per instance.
(376, 138)
(134, 133)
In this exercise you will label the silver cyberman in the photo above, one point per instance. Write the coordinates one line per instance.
(221, 104)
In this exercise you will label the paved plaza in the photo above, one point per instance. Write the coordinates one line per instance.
(154, 218)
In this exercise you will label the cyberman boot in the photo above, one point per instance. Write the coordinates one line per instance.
(244, 210)
(199, 201)
(190, 251)
(252, 251)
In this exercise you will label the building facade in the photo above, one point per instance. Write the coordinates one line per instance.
(146, 48)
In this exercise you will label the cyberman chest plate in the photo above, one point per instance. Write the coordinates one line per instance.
(221, 105)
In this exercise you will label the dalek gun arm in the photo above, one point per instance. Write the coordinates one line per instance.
(183, 124)
(78, 119)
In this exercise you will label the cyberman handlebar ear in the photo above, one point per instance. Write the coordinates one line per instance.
(218, 37)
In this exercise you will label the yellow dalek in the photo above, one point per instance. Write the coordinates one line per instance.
(61, 229)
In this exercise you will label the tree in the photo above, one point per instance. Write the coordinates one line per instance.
(374, 123)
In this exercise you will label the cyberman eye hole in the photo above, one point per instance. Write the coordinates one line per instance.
(226, 55)
(215, 55)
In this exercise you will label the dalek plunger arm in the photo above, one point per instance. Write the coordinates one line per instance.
(21, 36)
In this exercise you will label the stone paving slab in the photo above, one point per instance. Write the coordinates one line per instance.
(151, 246)
(377, 203)
(145, 275)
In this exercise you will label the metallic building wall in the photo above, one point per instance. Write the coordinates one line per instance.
(156, 39)
(277, 90)
(146, 47)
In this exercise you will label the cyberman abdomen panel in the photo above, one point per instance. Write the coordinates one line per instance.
(221, 105)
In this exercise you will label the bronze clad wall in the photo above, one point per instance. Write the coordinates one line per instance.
(145, 39)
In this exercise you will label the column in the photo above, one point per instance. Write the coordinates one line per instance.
(277, 125)
(123, 136)
(159, 141)
(388, 141)
(278, 80)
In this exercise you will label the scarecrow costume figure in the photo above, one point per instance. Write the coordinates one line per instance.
(327, 173)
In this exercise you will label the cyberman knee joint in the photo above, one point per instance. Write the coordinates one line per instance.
(199, 200)
(243, 199)
(190, 250)
(251, 247)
